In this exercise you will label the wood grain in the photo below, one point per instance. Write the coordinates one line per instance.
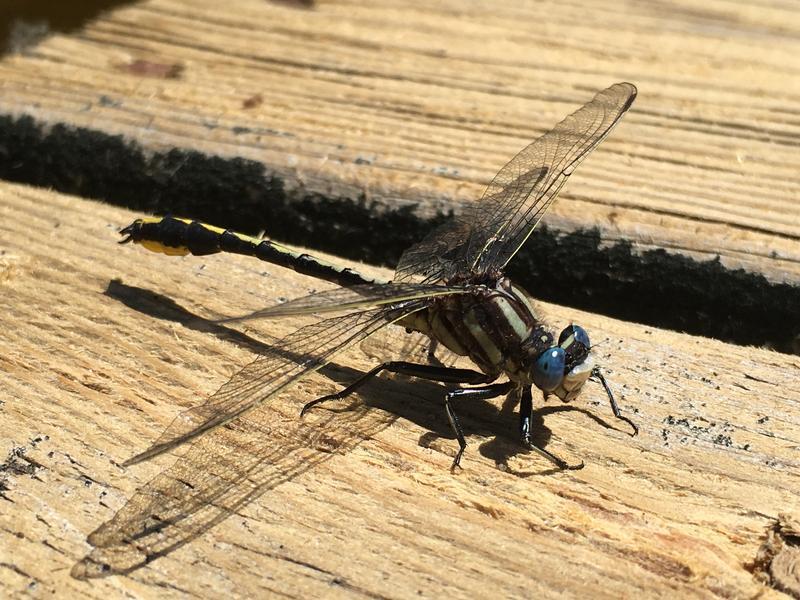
(413, 103)
(361, 502)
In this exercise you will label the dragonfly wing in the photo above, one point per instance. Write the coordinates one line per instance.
(221, 473)
(494, 229)
(524, 189)
(297, 355)
(435, 258)
(353, 297)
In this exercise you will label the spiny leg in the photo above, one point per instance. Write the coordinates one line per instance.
(430, 372)
(614, 408)
(525, 420)
(481, 393)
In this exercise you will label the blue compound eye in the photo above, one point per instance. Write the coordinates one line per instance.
(548, 370)
(575, 341)
(578, 334)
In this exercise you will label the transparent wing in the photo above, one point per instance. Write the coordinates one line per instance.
(294, 357)
(434, 259)
(354, 297)
(221, 473)
(488, 234)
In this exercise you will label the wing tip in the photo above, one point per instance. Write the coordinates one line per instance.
(633, 91)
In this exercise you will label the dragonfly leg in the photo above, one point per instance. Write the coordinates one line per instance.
(432, 358)
(430, 372)
(614, 408)
(525, 420)
(481, 393)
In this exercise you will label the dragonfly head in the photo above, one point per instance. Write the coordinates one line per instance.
(562, 369)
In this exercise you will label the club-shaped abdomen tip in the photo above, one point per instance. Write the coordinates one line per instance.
(548, 370)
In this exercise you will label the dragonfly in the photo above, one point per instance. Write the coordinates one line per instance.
(449, 287)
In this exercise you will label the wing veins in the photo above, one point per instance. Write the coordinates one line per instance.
(294, 357)
(520, 193)
(353, 297)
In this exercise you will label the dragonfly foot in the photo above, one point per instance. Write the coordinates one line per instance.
(457, 460)
(559, 462)
(635, 429)
(597, 374)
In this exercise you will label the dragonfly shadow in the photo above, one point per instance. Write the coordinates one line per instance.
(502, 449)
(165, 308)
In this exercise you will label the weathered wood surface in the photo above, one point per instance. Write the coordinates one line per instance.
(410, 102)
(362, 503)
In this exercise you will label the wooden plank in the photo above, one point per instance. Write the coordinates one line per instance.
(362, 502)
(410, 103)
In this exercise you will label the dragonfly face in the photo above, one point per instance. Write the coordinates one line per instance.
(562, 369)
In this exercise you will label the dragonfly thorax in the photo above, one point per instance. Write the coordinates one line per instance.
(494, 325)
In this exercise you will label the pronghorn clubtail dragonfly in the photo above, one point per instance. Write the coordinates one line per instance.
(450, 287)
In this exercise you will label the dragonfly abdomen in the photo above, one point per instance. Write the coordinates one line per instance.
(178, 237)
